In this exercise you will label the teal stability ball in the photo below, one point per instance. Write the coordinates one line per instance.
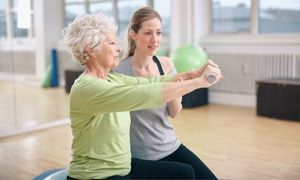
(189, 57)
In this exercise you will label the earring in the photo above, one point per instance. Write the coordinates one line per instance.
(85, 56)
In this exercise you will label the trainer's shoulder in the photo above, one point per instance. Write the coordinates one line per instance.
(166, 63)
(124, 65)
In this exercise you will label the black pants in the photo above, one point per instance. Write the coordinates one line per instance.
(144, 169)
(184, 155)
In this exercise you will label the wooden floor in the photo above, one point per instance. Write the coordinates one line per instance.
(24, 106)
(232, 141)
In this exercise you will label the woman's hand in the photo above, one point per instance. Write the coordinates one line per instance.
(210, 69)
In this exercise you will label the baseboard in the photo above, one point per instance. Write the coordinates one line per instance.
(48, 125)
(232, 99)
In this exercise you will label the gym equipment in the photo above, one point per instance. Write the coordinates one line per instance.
(54, 71)
(187, 58)
(53, 174)
(51, 78)
(70, 77)
(47, 78)
(191, 57)
(278, 98)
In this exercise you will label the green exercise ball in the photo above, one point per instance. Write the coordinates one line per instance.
(189, 57)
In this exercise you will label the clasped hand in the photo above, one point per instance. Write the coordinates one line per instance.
(202, 73)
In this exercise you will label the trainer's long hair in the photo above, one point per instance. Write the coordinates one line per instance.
(139, 16)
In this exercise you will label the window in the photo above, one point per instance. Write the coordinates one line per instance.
(164, 9)
(105, 7)
(231, 16)
(3, 27)
(279, 16)
(16, 19)
(125, 10)
(72, 9)
(120, 10)
(273, 16)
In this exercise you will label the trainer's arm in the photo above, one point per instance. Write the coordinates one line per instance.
(173, 90)
(174, 107)
(186, 84)
(195, 73)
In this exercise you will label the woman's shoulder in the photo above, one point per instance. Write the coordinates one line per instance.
(166, 63)
(124, 65)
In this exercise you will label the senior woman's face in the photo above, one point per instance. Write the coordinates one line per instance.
(109, 51)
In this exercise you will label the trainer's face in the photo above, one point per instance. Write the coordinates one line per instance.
(148, 37)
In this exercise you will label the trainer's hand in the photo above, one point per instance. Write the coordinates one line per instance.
(210, 62)
(210, 69)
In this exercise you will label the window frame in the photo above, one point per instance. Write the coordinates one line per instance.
(166, 37)
(217, 33)
(251, 38)
(9, 11)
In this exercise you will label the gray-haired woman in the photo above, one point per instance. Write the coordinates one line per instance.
(100, 102)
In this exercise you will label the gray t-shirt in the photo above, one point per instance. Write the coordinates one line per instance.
(152, 136)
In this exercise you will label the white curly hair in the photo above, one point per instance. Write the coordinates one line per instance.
(87, 31)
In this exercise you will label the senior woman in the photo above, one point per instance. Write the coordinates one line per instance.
(100, 102)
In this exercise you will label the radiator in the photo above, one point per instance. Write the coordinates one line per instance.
(242, 70)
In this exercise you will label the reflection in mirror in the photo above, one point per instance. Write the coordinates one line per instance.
(25, 104)
(7, 96)
(36, 105)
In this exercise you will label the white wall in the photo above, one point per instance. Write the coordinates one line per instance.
(49, 18)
